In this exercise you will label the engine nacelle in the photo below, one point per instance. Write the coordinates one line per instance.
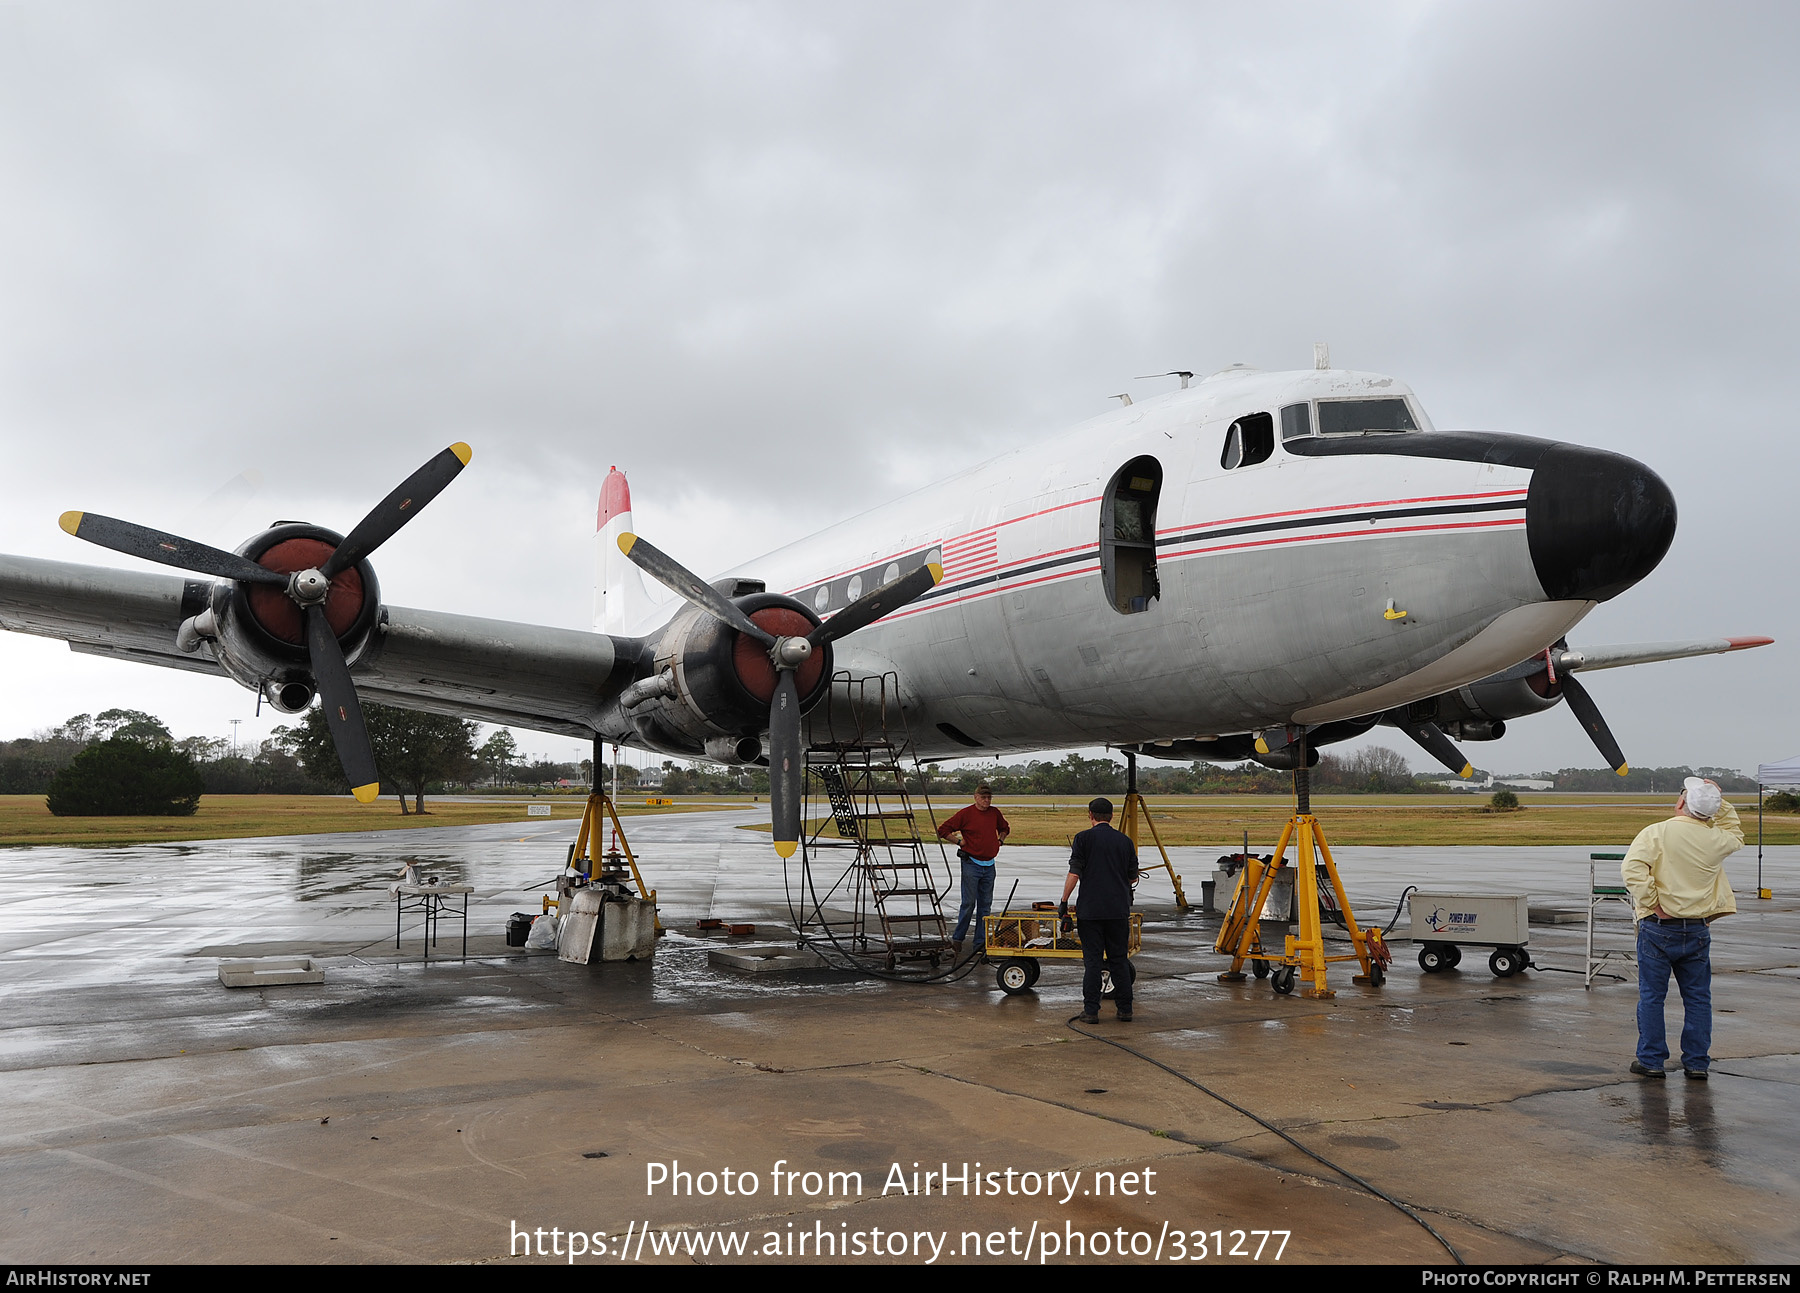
(1479, 711)
(258, 633)
(708, 687)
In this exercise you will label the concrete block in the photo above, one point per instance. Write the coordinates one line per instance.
(270, 971)
(764, 960)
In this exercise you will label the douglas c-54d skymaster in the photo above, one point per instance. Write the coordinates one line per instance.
(1251, 566)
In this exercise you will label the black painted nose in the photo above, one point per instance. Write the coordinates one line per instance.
(1596, 522)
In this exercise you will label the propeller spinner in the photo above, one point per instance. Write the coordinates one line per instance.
(308, 589)
(787, 654)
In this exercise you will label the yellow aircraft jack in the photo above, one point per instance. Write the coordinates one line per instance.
(1128, 825)
(594, 817)
(1304, 955)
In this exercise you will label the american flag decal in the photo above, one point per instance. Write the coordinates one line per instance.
(974, 555)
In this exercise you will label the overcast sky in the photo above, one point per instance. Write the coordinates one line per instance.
(782, 262)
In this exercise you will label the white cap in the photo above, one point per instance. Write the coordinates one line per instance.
(1703, 798)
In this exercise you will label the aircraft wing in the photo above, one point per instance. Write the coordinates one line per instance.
(526, 675)
(1614, 657)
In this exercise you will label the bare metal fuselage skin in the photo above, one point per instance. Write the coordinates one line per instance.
(1326, 582)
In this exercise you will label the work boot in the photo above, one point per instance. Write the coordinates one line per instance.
(1089, 1017)
(956, 947)
(1124, 1016)
(1642, 1071)
(1697, 1075)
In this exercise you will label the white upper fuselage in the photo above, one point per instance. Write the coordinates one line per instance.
(1282, 582)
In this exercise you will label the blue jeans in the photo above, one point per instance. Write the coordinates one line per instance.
(977, 898)
(1686, 952)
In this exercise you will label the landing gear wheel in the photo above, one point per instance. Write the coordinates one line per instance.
(1507, 961)
(1016, 975)
(1283, 981)
(1260, 969)
(1433, 957)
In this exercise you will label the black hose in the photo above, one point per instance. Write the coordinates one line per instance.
(958, 969)
(1269, 1126)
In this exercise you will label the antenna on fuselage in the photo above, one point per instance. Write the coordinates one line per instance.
(1182, 373)
(1321, 356)
(1121, 397)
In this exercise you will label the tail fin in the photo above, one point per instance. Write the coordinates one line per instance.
(622, 604)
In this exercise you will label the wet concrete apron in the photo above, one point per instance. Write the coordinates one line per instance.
(424, 1112)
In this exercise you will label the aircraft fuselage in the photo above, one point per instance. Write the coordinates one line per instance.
(1227, 558)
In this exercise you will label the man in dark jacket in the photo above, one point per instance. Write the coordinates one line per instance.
(1105, 864)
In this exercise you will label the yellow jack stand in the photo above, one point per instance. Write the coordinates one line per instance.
(1128, 824)
(593, 820)
(1241, 935)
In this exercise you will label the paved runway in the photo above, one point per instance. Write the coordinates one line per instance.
(414, 1112)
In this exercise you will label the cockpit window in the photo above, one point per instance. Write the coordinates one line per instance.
(1296, 420)
(1355, 417)
(1250, 440)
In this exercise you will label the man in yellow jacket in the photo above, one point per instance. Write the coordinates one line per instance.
(1675, 871)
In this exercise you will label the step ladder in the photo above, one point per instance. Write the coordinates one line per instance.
(857, 802)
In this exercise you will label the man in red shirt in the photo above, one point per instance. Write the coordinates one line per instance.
(978, 831)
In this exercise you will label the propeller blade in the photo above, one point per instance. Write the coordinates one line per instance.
(871, 606)
(671, 574)
(1436, 744)
(169, 549)
(342, 712)
(386, 517)
(1584, 708)
(786, 766)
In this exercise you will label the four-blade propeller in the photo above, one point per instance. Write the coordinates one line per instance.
(786, 761)
(308, 589)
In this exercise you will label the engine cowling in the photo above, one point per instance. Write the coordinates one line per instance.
(258, 633)
(1478, 712)
(707, 687)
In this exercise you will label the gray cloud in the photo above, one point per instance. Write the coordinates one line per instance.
(785, 261)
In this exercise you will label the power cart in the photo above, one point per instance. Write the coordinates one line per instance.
(1445, 923)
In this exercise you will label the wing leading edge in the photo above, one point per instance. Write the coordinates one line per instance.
(526, 675)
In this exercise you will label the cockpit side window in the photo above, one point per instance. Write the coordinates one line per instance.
(1358, 417)
(1296, 420)
(1128, 536)
(1250, 440)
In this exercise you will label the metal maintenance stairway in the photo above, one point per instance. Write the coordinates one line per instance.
(855, 773)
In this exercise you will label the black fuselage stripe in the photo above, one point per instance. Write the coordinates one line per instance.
(1203, 534)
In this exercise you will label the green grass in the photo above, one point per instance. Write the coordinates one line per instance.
(25, 820)
(1603, 821)
(1207, 821)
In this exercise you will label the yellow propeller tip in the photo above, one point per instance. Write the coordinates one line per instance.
(366, 794)
(625, 541)
(937, 572)
(1262, 746)
(785, 848)
(1623, 768)
(70, 521)
(462, 452)
(1468, 770)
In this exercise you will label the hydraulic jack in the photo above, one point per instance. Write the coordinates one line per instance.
(1304, 954)
(1128, 825)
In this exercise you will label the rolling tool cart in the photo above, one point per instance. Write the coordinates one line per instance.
(1018, 942)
